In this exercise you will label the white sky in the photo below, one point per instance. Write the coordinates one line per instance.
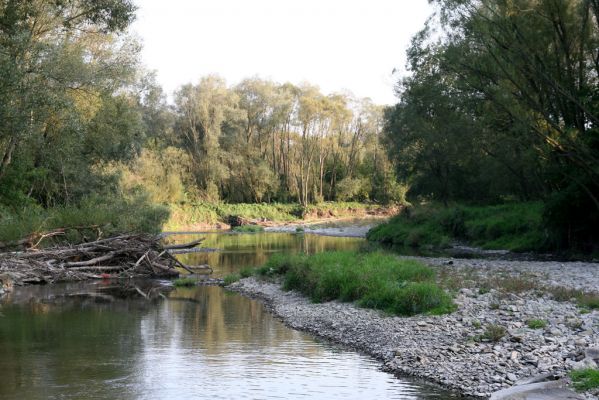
(336, 44)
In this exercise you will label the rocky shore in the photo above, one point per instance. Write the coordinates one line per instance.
(495, 340)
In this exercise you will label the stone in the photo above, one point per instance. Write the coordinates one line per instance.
(553, 390)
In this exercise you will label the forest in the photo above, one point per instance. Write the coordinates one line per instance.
(500, 106)
(87, 127)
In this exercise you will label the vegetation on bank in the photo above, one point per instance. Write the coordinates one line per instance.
(497, 107)
(213, 213)
(373, 280)
(516, 227)
(91, 218)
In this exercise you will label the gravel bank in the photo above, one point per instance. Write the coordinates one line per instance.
(452, 350)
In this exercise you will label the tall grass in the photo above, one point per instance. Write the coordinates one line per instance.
(515, 227)
(374, 280)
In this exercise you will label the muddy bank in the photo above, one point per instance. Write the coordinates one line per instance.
(456, 350)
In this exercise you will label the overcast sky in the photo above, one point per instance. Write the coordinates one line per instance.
(336, 44)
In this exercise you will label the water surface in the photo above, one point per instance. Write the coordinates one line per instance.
(200, 343)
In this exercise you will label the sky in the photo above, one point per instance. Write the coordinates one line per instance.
(338, 45)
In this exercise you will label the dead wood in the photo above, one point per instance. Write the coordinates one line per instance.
(116, 257)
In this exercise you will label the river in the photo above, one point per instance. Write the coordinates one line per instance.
(199, 343)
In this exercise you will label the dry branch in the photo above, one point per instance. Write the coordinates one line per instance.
(116, 257)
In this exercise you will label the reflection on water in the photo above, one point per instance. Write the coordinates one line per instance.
(201, 343)
(251, 250)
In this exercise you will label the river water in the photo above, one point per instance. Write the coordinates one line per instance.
(199, 343)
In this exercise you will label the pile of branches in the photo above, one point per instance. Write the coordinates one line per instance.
(115, 257)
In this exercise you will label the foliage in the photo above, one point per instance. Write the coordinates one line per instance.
(500, 105)
(186, 215)
(515, 227)
(110, 216)
(585, 379)
(373, 280)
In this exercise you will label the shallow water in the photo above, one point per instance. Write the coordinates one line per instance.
(200, 343)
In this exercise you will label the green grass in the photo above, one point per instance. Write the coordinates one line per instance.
(515, 227)
(585, 379)
(373, 280)
(248, 229)
(231, 278)
(184, 282)
(536, 323)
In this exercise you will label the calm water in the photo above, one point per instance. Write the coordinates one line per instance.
(201, 343)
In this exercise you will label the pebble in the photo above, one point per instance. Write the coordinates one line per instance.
(445, 349)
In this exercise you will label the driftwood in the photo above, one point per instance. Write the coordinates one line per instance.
(116, 257)
(35, 239)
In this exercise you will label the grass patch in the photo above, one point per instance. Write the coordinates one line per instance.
(515, 227)
(231, 278)
(374, 280)
(184, 282)
(585, 379)
(248, 229)
(536, 323)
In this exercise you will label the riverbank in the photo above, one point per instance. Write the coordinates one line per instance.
(222, 216)
(499, 336)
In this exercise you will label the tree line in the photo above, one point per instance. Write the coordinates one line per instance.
(82, 119)
(502, 103)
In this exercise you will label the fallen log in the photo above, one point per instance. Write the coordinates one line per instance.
(117, 257)
(183, 245)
